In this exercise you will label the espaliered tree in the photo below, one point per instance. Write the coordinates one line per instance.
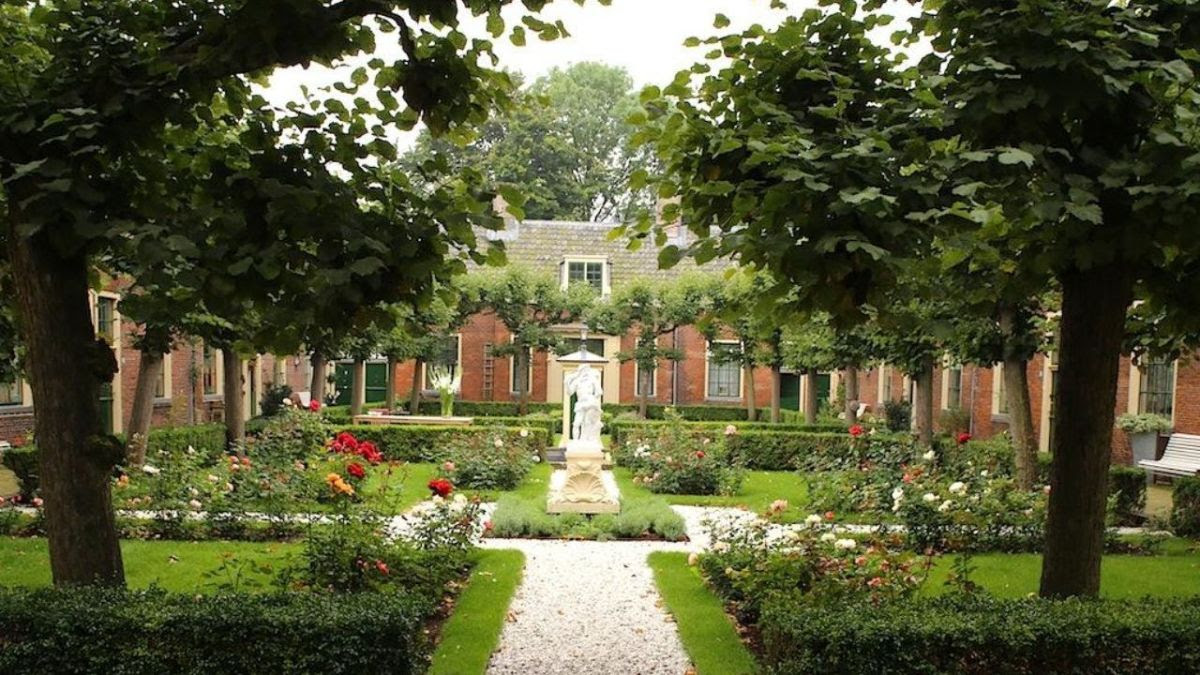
(1090, 107)
(93, 95)
(530, 306)
(652, 310)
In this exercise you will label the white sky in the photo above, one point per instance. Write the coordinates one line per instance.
(643, 36)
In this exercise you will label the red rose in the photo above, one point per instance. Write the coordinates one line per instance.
(355, 469)
(314, 405)
(856, 430)
(829, 515)
(699, 454)
(963, 438)
(382, 567)
(487, 526)
(441, 487)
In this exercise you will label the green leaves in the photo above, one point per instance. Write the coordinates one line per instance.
(1015, 156)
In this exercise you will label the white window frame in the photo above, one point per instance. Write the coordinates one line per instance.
(1135, 388)
(708, 369)
(884, 384)
(565, 274)
(637, 381)
(946, 385)
(998, 391)
(512, 372)
(165, 377)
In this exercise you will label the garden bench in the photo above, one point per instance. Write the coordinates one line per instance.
(1181, 458)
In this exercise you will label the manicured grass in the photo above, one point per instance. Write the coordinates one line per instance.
(182, 566)
(1172, 573)
(473, 631)
(758, 491)
(536, 484)
(707, 633)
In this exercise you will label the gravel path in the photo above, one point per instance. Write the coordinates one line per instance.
(587, 608)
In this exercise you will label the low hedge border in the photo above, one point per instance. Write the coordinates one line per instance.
(619, 430)
(982, 635)
(770, 450)
(420, 443)
(85, 630)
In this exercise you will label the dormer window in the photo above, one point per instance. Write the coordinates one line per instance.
(591, 270)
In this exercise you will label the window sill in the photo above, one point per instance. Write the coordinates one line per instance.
(162, 400)
(15, 409)
(723, 399)
(214, 398)
(1002, 418)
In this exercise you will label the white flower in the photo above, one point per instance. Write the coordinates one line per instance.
(195, 504)
(720, 546)
(436, 499)
(898, 494)
(945, 506)
(191, 450)
(983, 473)
(536, 458)
(929, 497)
(193, 491)
(460, 498)
(828, 536)
(153, 471)
(524, 433)
(929, 456)
(498, 443)
(212, 478)
(845, 544)
(443, 381)
(813, 519)
(958, 487)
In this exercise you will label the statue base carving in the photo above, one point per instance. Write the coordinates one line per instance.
(584, 486)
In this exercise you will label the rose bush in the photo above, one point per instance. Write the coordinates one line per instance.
(674, 461)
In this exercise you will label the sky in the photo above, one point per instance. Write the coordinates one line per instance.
(643, 36)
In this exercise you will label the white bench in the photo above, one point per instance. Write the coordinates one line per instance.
(1181, 458)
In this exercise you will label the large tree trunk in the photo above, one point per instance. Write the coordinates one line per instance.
(149, 371)
(923, 405)
(1020, 420)
(522, 382)
(390, 402)
(751, 404)
(1093, 322)
(811, 405)
(776, 380)
(316, 389)
(414, 393)
(851, 389)
(233, 393)
(66, 363)
(358, 387)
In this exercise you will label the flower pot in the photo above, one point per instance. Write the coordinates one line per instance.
(1144, 446)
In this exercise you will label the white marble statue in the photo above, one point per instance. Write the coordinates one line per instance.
(584, 384)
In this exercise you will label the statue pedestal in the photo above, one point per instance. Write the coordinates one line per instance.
(584, 486)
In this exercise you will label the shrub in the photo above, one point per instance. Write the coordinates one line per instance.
(955, 420)
(622, 429)
(517, 517)
(994, 455)
(1185, 512)
(206, 439)
(982, 635)
(487, 462)
(980, 513)
(898, 416)
(292, 435)
(771, 450)
(1145, 423)
(273, 398)
(420, 443)
(674, 461)
(551, 424)
(1127, 489)
(23, 462)
(86, 630)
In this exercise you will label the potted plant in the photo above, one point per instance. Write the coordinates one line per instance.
(1143, 431)
(446, 384)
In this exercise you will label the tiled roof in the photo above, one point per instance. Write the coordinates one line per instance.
(544, 244)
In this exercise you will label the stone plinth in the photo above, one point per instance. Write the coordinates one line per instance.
(584, 486)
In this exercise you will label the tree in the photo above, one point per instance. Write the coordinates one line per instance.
(420, 334)
(651, 310)
(530, 306)
(100, 90)
(565, 143)
(1076, 154)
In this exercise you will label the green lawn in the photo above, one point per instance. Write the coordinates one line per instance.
(182, 566)
(1174, 572)
(758, 491)
(473, 631)
(707, 633)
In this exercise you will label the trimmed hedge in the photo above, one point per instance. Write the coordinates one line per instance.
(543, 422)
(23, 462)
(1185, 511)
(619, 430)
(420, 443)
(1128, 485)
(982, 635)
(110, 631)
(785, 450)
(655, 411)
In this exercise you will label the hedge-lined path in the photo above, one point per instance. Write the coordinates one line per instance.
(588, 608)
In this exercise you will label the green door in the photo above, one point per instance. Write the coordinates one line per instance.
(789, 391)
(822, 389)
(343, 375)
(377, 382)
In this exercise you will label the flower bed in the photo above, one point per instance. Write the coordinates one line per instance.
(674, 461)
(417, 443)
(520, 518)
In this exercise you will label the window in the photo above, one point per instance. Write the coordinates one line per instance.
(12, 393)
(650, 386)
(208, 371)
(160, 387)
(587, 270)
(571, 345)
(999, 395)
(953, 388)
(512, 372)
(106, 318)
(1157, 391)
(447, 358)
(724, 377)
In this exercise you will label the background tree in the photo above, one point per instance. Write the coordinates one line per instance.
(565, 143)
(530, 306)
(98, 91)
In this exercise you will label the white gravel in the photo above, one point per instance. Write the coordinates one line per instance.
(588, 608)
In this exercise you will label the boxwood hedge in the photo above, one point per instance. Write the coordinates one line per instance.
(620, 430)
(982, 635)
(433, 443)
(112, 631)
